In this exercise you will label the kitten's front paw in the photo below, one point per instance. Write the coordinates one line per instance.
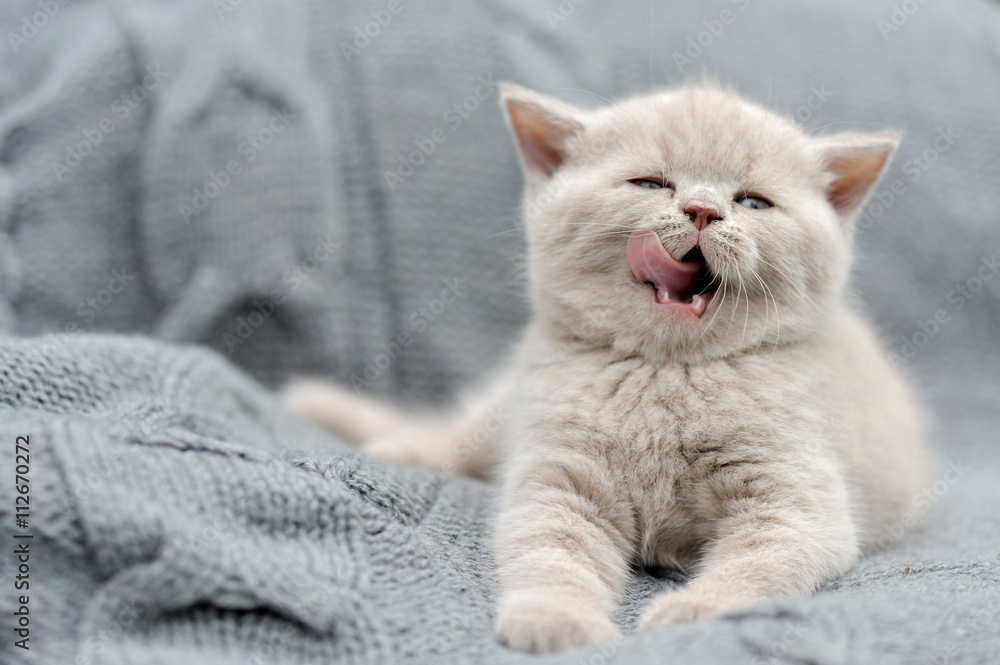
(539, 623)
(680, 607)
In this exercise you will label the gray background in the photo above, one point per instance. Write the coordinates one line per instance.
(144, 393)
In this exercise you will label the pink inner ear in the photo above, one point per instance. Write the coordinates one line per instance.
(854, 175)
(541, 137)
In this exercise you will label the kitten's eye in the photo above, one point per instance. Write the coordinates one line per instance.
(649, 183)
(754, 202)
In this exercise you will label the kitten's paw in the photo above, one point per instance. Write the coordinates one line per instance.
(542, 624)
(680, 607)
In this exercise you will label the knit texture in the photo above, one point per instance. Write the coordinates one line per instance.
(199, 200)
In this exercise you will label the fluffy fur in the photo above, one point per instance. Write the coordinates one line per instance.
(764, 444)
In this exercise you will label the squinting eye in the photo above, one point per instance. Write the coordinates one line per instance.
(649, 183)
(754, 202)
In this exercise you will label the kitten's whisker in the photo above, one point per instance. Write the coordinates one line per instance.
(620, 228)
(777, 317)
(500, 233)
(606, 234)
(747, 319)
(582, 222)
(718, 308)
(767, 313)
(788, 279)
(614, 232)
(736, 306)
(589, 92)
(845, 122)
(776, 268)
(605, 227)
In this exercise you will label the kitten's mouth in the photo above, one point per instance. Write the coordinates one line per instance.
(683, 287)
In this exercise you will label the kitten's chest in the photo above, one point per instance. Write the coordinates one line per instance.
(665, 432)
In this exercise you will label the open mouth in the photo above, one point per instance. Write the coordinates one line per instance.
(683, 287)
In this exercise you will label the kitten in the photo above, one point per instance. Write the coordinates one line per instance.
(695, 389)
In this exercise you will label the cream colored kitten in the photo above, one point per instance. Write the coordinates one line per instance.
(695, 389)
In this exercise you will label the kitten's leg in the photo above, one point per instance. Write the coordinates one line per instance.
(461, 442)
(769, 546)
(563, 542)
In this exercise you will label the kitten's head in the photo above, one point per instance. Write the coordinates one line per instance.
(687, 224)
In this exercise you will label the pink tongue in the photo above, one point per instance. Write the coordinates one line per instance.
(651, 263)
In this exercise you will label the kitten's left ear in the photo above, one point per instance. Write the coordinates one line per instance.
(542, 126)
(854, 162)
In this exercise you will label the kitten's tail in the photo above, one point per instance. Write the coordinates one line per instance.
(462, 442)
(357, 418)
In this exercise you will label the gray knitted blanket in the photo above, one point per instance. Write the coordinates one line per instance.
(201, 199)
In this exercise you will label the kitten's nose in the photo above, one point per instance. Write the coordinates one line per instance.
(701, 213)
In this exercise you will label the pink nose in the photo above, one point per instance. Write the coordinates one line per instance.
(701, 213)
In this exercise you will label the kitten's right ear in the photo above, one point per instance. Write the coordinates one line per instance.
(542, 126)
(854, 163)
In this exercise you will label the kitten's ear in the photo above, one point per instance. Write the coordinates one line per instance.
(542, 126)
(854, 162)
